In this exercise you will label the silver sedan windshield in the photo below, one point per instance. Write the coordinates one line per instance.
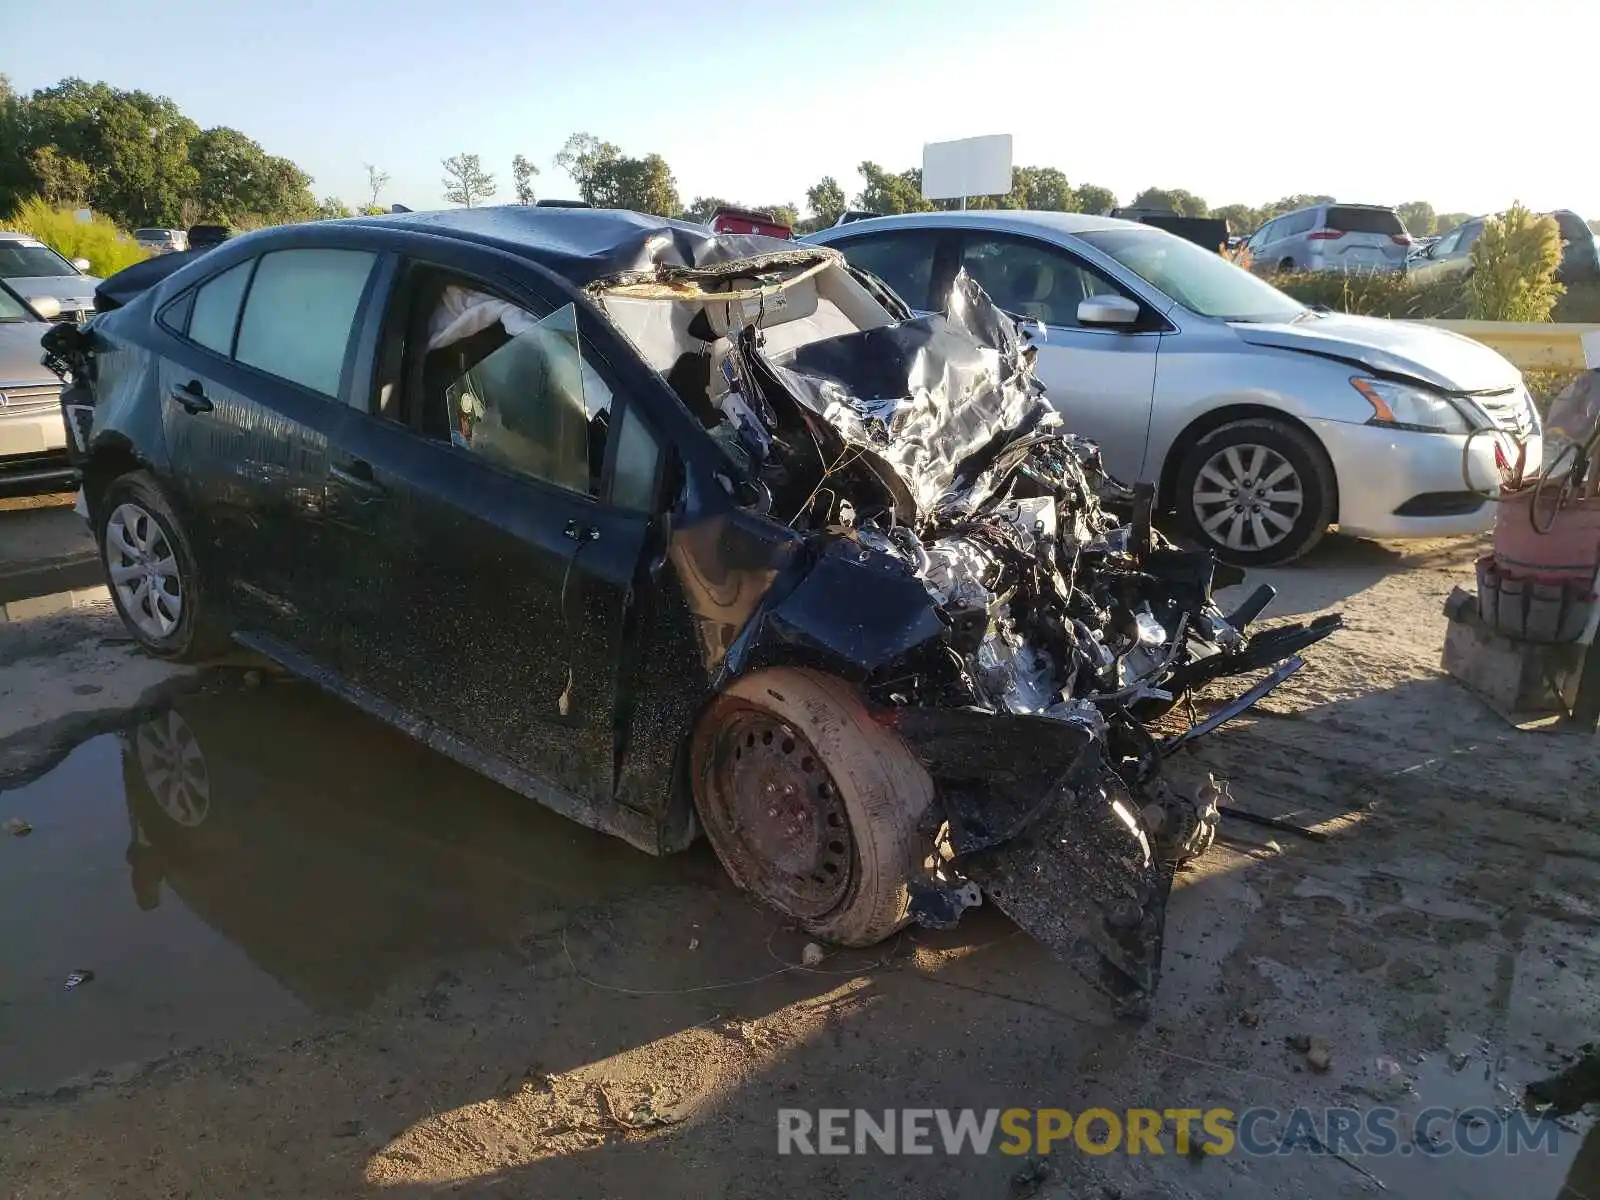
(1201, 280)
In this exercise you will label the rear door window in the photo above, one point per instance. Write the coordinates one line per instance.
(299, 314)
(1365, 220)
(1299, 223)
(902, 258)
(1031, 278)
(215, 314)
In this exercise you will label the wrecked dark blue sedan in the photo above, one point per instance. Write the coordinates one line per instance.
(675, 531)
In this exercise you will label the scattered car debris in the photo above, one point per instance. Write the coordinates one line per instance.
(78, 978)
(17, 827)
(812, 955)
(1319, 1055)
(1035, 1173)
(1244, 814)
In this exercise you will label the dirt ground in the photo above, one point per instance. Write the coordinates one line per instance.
(351, 968)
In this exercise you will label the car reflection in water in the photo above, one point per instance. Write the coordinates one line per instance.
(337, 853)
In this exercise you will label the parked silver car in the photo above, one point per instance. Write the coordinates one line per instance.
(162, 241)
(1331, 237)
(1261, 421)
(33, 438)
(35, 271)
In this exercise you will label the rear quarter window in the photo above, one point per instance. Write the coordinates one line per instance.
(1365, 220)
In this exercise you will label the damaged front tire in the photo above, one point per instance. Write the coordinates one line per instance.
(811, 804)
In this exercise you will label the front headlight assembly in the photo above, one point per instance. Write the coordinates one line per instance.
(1406, 406)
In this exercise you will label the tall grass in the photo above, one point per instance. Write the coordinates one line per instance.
(98, 240)
(1377, 294)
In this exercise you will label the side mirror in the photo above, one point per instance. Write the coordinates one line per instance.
(48, 307)
(1108, 310)
(81, 264)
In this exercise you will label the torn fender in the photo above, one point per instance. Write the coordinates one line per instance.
(1039, 821)
(849, 610)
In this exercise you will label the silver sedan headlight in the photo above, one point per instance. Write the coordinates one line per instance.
(1406, 406)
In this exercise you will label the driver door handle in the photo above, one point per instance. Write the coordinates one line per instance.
(357, 476)
(192, 396)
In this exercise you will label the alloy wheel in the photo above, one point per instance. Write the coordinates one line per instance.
(174, 769)
(1248, 497)
(144, 570)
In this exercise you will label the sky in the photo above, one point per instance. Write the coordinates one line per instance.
(1465, 107)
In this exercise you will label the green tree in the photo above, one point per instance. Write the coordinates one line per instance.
(376, 181)
(584, 157)
(888, 193)
(332, 208)
(1094, 199)
(1184, 203)
(1445, 222)
(784, 214)
(705, 207)
(135, 145)
(1417, 216)
(826, 199)
(1289, 203)
(1241, 218)
(16, 177)
(522, 173)
(466, 182)
(1514, 265)
(1042, 188)
(235, 177)
(63, 181)
(641, 184)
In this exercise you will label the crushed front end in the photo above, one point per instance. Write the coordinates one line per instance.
(1039, 619)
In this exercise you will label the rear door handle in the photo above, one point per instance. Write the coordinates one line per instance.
(357, 476)
(192, 396)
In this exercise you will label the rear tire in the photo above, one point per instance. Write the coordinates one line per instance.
(152, 573)
(1257, 492)
(811, 804)
(1286, 266)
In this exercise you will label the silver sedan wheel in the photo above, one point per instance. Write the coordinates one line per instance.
(174, 769)
(1248, 497)
(144, 571)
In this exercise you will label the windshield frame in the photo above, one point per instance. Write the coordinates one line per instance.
(67, 267)
(1114, 243)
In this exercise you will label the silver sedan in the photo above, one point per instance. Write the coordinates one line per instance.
(1261, 422)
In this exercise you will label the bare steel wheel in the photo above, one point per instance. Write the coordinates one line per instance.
(781, 810)
(811, 804)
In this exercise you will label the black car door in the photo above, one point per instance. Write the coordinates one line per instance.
(493, 503)
(250, 384)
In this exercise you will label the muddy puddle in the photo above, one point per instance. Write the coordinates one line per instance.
(251, 855)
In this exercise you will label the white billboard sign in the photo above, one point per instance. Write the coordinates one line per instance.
(978, 166)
